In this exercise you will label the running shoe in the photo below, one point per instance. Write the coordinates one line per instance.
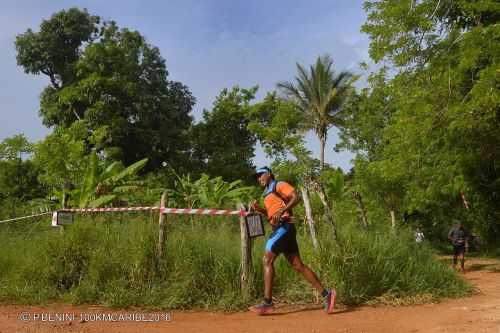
(329, 302)
(262, 308)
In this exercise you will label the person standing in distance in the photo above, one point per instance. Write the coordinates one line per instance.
(419, 235)
(279, 199)
(459, 238)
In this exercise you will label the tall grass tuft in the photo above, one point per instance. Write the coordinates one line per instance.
(369, 264)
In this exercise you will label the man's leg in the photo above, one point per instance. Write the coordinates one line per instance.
(307, 273)
(455, 255)
(329, 296)
(267, 305)
(268, 274)
(462, 260)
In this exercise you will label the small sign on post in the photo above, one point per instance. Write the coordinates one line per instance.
(65, 218)
(62, 218)
(54, 219)
(255, 226)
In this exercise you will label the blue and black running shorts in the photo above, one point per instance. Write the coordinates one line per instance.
(283, 240)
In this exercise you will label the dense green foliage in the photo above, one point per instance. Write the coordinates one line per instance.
(428, 131)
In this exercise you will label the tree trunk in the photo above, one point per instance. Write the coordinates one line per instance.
(393, 219)
(309, 216)
(67, 187)
(322, 144)
(64, 198)
(76, 114)
(326, 205)
(466, 203)
(362, 209)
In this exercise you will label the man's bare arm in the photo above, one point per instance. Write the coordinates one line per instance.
(294, 200)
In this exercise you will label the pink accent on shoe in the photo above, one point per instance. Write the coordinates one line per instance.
(332, 295)
(261, 309)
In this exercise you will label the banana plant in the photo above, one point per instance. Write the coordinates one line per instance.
(107, 184)
(184, 192)
(215, 192)
(209, 192)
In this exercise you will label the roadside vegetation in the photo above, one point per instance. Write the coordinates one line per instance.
(115, 263)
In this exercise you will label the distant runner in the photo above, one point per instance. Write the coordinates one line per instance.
(279, 199)
(459, 238)
(419, 235)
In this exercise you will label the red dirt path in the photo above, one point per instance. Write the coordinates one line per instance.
(478, 313)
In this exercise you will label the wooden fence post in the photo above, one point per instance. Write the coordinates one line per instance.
(246, 256)
(161, 233)
(393, 219)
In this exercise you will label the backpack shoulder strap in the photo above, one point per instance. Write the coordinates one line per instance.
(279, 194)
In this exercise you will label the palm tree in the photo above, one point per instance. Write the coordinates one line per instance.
(320, 94)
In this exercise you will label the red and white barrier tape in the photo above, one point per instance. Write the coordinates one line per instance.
(163, 210)
(201, 211)
(25, 217)
(113, 209)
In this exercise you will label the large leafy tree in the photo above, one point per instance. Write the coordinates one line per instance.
(222, 143)
(113, 81)
(320, 94)
(441, 131)
(377, 177)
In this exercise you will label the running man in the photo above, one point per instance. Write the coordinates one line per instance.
(459, 238)
(279, 199)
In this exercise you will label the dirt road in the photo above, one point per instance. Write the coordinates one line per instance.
(478, 313)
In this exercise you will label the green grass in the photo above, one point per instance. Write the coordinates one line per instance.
(113, 261)
(379, 263)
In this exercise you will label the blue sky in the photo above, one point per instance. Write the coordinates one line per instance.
(208, 45)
